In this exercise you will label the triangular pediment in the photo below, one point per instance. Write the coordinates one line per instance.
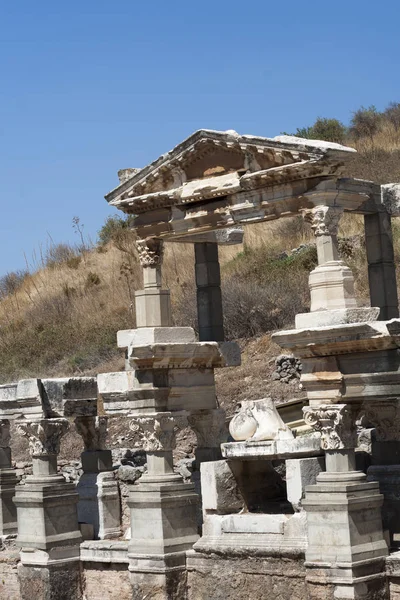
(209, 163)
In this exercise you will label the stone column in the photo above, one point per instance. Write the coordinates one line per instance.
(209, 298)
(8, 481)
(381, 266)
(99, 501)
(332, 282)
(153, 306)
(333, 300)
(346, 549)
(163, 513)
(48, 531)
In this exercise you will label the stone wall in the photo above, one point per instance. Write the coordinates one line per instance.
(106, 581)
(236, 578)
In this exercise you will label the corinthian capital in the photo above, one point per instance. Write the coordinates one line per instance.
(324, 220)
(209, 427)
(158, 431)
(44, 436)
(93, 430)
(150, 251)
(5, 436)
(335, 423)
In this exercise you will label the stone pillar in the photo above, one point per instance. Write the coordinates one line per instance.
(153, 306)
(332, 282)
(8, 481)
(163, 513)
(99, 501)
(345, 556)
(209, 298)
(381, 266)
(48, 531)
(333, 300)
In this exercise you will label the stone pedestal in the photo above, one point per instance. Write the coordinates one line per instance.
(99, 501)
(163, 514)
(48, 531)
(8, 481)
(346, 548)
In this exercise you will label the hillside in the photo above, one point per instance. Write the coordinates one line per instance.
(61, 318)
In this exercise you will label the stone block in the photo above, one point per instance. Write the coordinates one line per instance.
(299, 473)
(220, 491)
(254, 523)
(339, 316)
(155, 335)
(70, 396)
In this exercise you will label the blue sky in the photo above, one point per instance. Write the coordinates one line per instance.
(89, 87)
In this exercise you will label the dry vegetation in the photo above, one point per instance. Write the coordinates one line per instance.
(60, 317)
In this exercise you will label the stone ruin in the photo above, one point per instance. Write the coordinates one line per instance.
(277, 513)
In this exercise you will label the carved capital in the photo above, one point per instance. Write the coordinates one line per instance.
(209, 427)
(158, 431)
(385, 417)
(93, 430)
(324, 220)
(44, 436)
(5, 436)
(335, 423)
(151, 251)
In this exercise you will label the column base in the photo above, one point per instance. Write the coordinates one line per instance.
(47, 514)
(346, 547)
(163, 516)
(99, 504)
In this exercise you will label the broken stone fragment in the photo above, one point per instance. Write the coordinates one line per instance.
(259, 420)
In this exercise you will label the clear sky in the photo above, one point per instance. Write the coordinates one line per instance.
(91, 86)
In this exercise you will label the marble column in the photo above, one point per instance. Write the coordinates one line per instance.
(99, 502)
(48, 531)
(346, 547)
(8, 481)
(153, 305)
(163, 512)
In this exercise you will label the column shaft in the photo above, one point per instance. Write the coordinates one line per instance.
(381, 266)
(209, 298)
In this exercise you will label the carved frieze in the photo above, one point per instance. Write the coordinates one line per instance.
(93, 430)
(335, 423)
(44, 436)
(385, 417)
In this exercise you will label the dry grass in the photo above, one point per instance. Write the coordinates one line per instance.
(62, 318)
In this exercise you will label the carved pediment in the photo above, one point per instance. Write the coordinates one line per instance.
(209, 164)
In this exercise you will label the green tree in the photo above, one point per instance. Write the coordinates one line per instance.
(330, 130)
(365, 122)
(113, 227)
(392, 114)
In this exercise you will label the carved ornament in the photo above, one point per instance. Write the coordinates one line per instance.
(335, 423)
